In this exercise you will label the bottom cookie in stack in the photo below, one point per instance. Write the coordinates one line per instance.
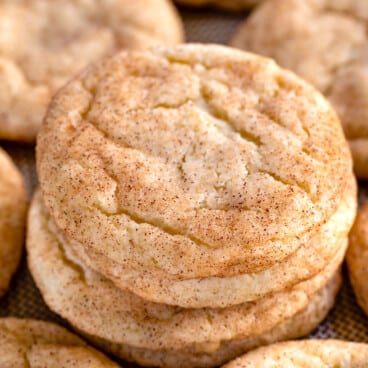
(155, 334)
(306, 353)
(36, 344)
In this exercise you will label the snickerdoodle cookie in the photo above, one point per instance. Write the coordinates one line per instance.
(36, 344)
(43, 43)
(306, 353)
(149, 333)
(357, 257)
(13, 202)
(298, 325)
(325, 42)
(224, 4)
(310, 258)
(190, 162)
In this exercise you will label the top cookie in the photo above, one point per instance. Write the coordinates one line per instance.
(190, 161)
(43, 43)
(36, 344)
(325, 42)
(306, 353)
(224, 4)
(13, 203)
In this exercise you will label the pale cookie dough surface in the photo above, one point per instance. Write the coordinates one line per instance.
(96, 307)
(298, 325)
(325, 42)
(13, 203)
(43, 43)
(180, 173)
(26, 343)
(224, 4)
(306, 353)
(357, 257)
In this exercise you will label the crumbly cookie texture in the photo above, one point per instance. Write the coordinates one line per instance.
(13, 205)
(43, 43)
(306, 353)
(357, 257)
(190, 162)
(224, 4)
(97, 307)
(26, 343)
(153, 334)
(325, 42)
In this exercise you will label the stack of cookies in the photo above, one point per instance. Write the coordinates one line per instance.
(195, 203)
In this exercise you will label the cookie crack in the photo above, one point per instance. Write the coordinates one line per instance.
(288, 183)
(63, 255)
(227, 120)
(139, 220)
(277, 79)
(71, 264)
(214, 114)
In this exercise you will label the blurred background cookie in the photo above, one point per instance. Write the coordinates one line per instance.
(35, 344)
(357, 257)
(306, 353)
(43, 43)
(325, 42)
(223, 4)
(13, 203)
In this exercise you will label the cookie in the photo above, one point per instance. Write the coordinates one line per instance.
(215, 292)
(306, 353)
(43, 43)
(36, 344)
(128, 325)
(223, 4)
(357, 257)
(181, 174)
(13, 203)
(300, 324)
(325, 42)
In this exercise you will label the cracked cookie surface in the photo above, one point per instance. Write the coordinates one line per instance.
(307, 353)
(325, 42)
(26, 343)
(180, 173)
(310, 259)
(357, 257)
(43, 43)
(13, 206)
(96, 307)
